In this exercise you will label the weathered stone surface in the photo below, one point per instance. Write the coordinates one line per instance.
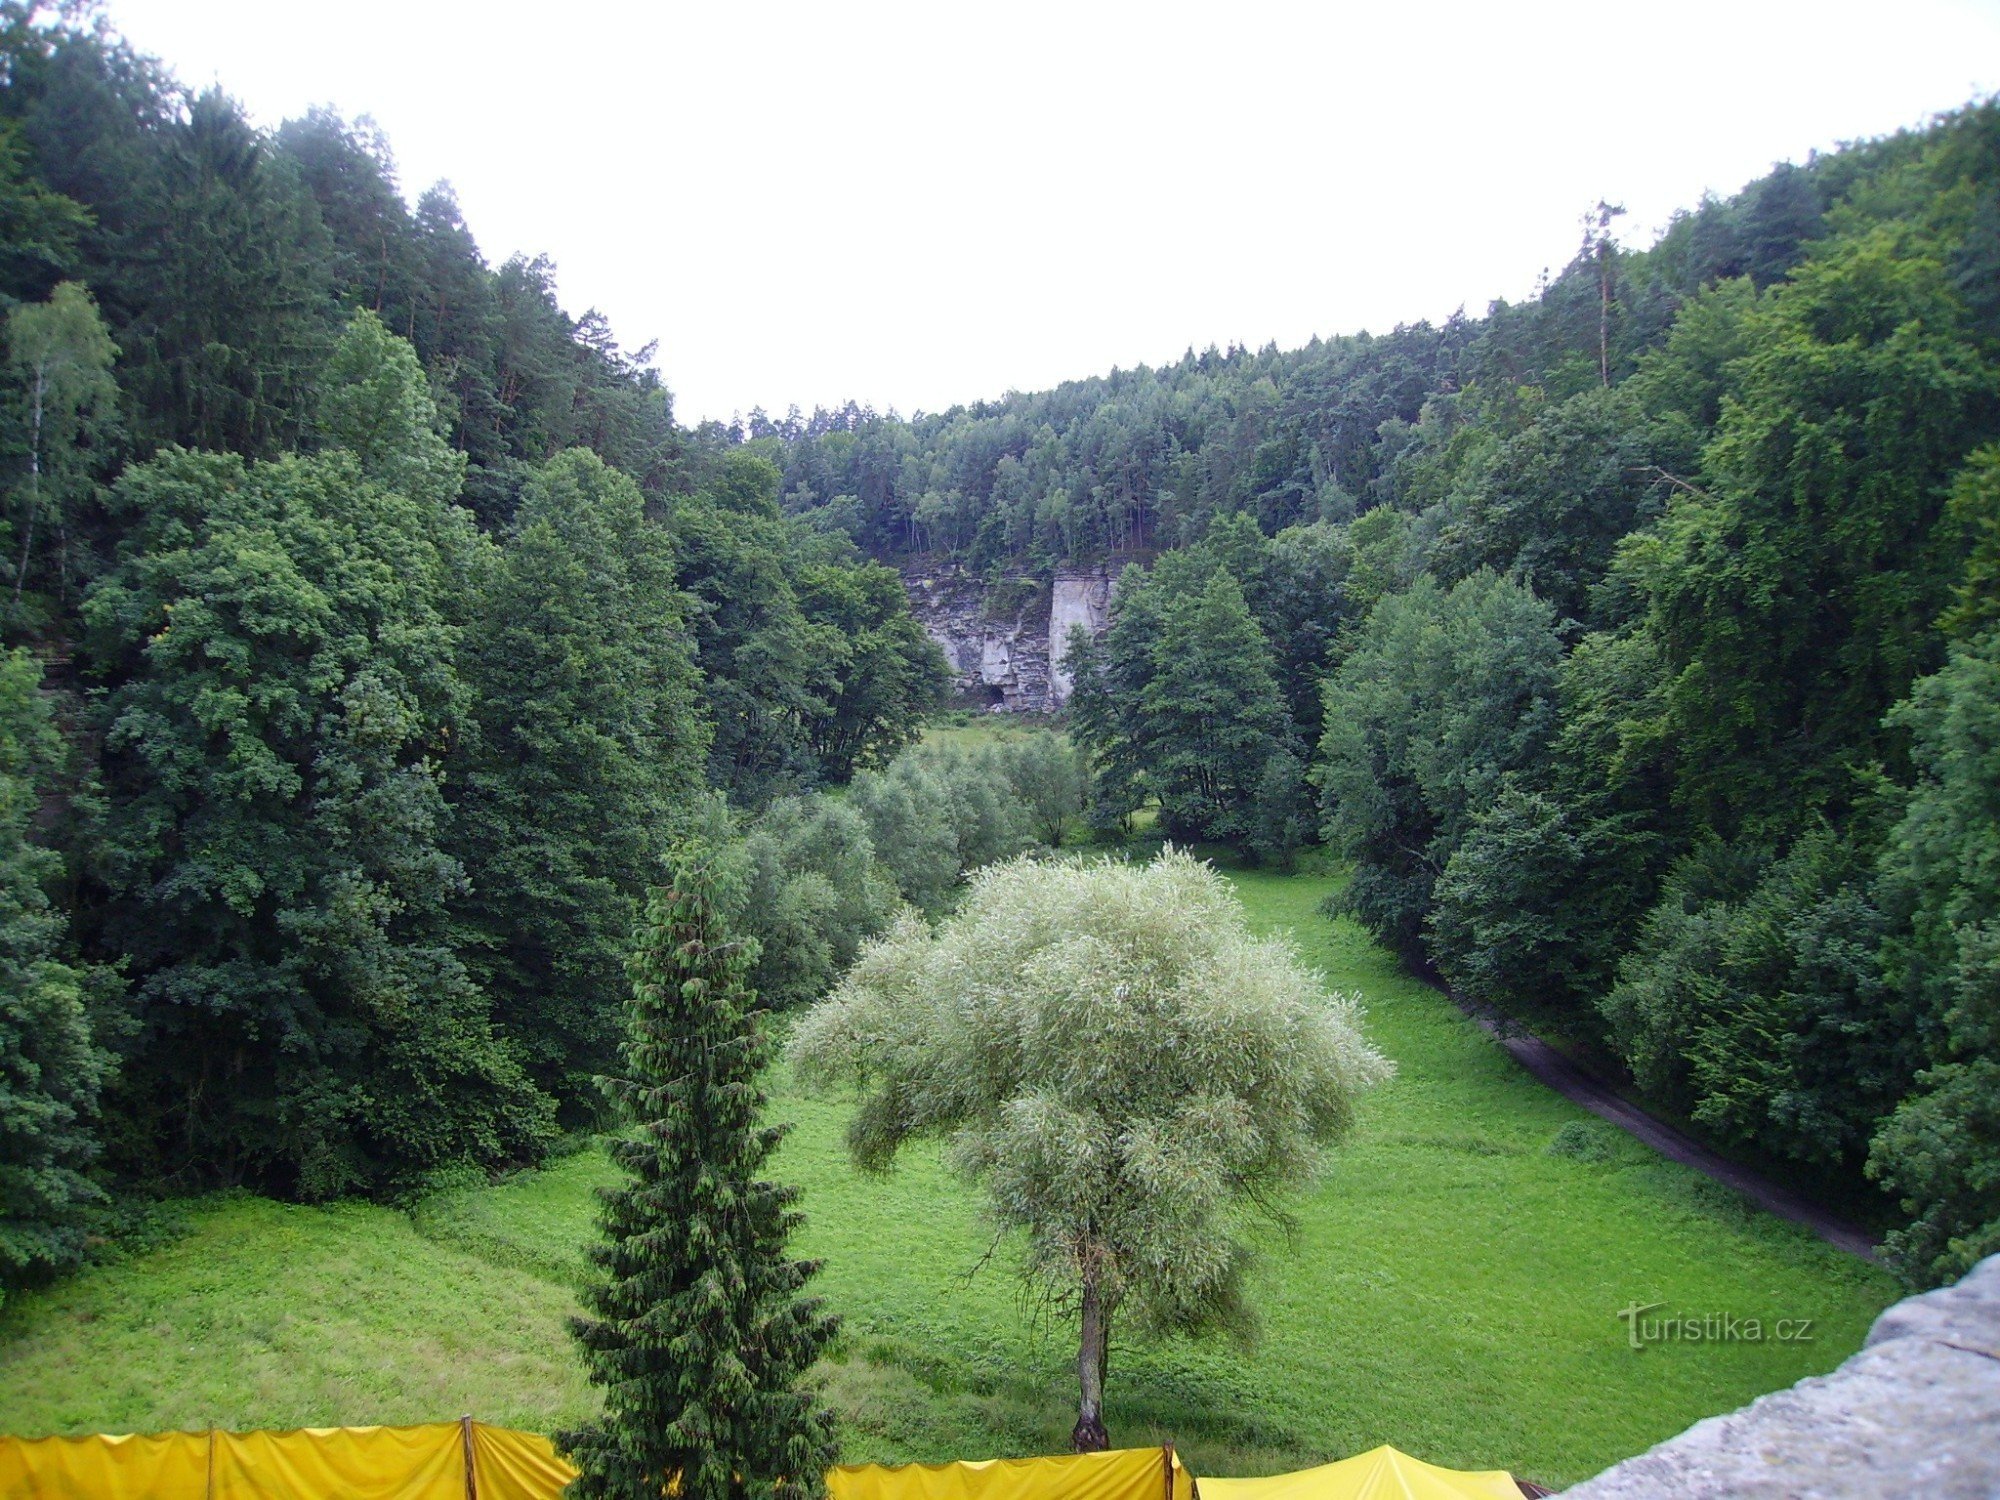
(1916, 1412)
(1076, 599)
(1009, 658)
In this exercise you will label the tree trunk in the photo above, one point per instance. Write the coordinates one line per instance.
(1089, 1435)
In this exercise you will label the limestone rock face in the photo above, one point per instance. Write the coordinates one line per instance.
(1075, 599)
(1006, 644)
(1916, 1412)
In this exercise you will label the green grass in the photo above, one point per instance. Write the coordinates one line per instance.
(978, 731)
(272, 1315)
(1451, 1289)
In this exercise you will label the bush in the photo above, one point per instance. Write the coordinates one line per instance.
(935, 813)
(806, 885)
(1050, 779)
(1582, 1140)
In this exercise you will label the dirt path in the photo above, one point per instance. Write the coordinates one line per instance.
(1579, 1087)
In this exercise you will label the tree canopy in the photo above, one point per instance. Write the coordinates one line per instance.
(1125, 1069)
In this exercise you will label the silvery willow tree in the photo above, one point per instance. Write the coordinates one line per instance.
(1130, 1073)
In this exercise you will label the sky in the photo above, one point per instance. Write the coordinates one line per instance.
(919, 205)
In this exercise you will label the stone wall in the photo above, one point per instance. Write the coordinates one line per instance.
(1916, 1412)
(1006, 645)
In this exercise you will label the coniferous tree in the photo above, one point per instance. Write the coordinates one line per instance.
(702, 1340)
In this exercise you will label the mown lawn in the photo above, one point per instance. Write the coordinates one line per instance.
(1452, 1288)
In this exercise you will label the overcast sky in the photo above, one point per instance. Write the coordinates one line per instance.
(926, 204)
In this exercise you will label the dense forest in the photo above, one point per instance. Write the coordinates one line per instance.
(370, 631)
(1639, 644)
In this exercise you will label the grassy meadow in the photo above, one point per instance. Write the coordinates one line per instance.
(970, 729)
(1452, 1288)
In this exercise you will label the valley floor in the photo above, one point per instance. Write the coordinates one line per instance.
(1453, 1288)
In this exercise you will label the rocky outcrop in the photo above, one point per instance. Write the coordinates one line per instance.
(1006, 642)
(1076, 599)
(1916, 1412)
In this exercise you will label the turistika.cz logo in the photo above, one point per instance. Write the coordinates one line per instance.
(1645, 1324)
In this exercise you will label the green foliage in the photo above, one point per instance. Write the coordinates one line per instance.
(1496, 932)
(62, 410)
(879, 671)
(354, 1312)
(1754, 1001)
(811, 894)
(815, 665)
(1212, 716)
(1444, 696)
(234, 317)
(1974, 508)
(1740, 483)
(1127, 1071)
(1794, 597)
(1050, 777)
(40, 229)
(1940, 1151)
(274, 833)
(53, 1057)
(1283, 816)
(583, 747)
(373, 400)
(936, 813)
(1583, 1140)
(701, 1338)
(812, 878)
(1552, 502)
(1179, 701)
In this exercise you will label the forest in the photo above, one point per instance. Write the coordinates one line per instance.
(372, 632)
(1637, 644)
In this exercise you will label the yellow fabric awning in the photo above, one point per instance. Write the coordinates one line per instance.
(431, 1463)
(1121, 1474)
(1379, 1474)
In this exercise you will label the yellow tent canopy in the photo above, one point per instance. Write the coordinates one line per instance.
(1379, 1474)
(467, 1459)
(1120, 1474)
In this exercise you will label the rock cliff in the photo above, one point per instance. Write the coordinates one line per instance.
(1006, 642)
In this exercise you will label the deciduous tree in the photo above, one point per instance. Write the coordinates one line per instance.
(1130, 1074)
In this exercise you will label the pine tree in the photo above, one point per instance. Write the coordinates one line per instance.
(701, 1340)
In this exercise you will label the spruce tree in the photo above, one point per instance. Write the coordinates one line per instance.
(701, 1339)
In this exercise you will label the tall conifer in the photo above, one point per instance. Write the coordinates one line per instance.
(701, 1339)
